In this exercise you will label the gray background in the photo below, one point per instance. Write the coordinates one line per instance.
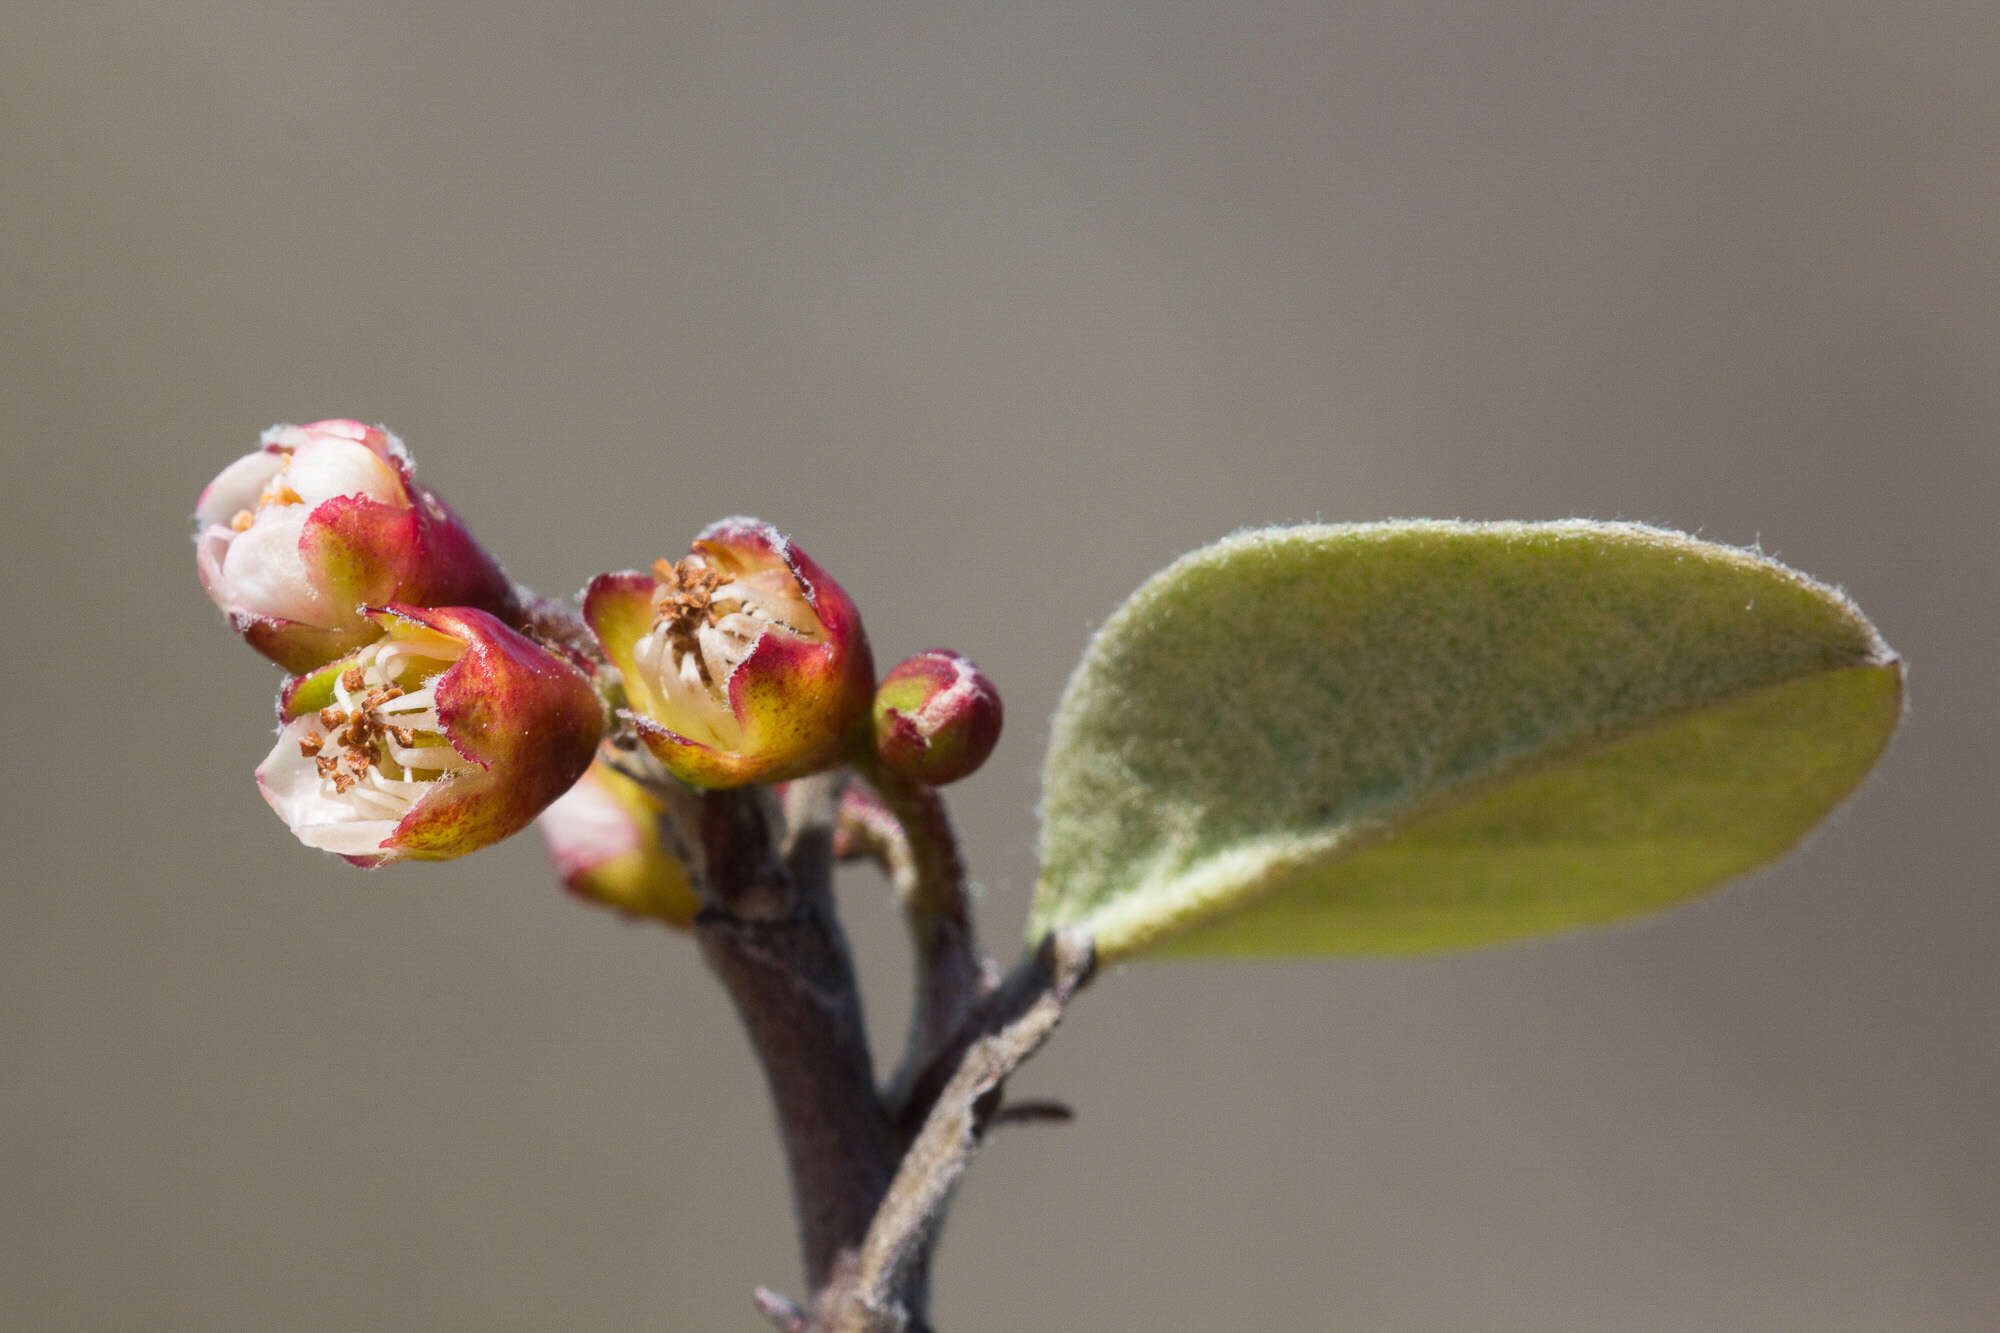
(997, 311)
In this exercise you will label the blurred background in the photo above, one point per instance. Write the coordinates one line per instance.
(997, 310)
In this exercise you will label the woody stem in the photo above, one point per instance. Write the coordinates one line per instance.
(769, 932)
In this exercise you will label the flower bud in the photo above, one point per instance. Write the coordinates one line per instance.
(603, 835)
(937, 717)
(744, 662)
(446, 734)
(293, 540)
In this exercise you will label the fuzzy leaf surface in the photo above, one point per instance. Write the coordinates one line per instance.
(1411, 736)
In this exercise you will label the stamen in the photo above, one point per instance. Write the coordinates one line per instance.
(371, 746)
(684, 600)
(430, 758)
(410, 701)
(393, 660)
(371, 798)
(717, 661)
(741, 625)
(242, 520)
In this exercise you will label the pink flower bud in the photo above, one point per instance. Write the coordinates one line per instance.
(446, 734)
(744, 662)
(603, 836)
(937, 717)
(293, 540)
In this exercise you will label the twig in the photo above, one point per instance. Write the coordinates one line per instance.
(903, 825)
(1019, 1018)
(1036, 1111)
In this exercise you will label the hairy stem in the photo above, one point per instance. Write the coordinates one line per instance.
(905, 826)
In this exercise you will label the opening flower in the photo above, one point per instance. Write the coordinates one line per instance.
(743, 662)
(293, 540)
(446, 734)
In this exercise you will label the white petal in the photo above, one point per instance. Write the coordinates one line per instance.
(264, 575)
(237, 487)
(587, 827)
(319, 815)
(355, 838)
(292, 785)
(288, 437)
(211, 544)
(325, 467)
(688, 707)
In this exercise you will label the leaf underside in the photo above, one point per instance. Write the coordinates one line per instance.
(1402, 737)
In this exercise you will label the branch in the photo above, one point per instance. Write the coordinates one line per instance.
(1014, 1023)
(769, 932)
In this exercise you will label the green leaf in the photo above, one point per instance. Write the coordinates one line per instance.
(1397, 737)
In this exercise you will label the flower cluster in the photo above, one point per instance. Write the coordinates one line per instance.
(435, 708)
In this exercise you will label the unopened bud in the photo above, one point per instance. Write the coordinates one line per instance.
(937, 717)
(603, 836)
